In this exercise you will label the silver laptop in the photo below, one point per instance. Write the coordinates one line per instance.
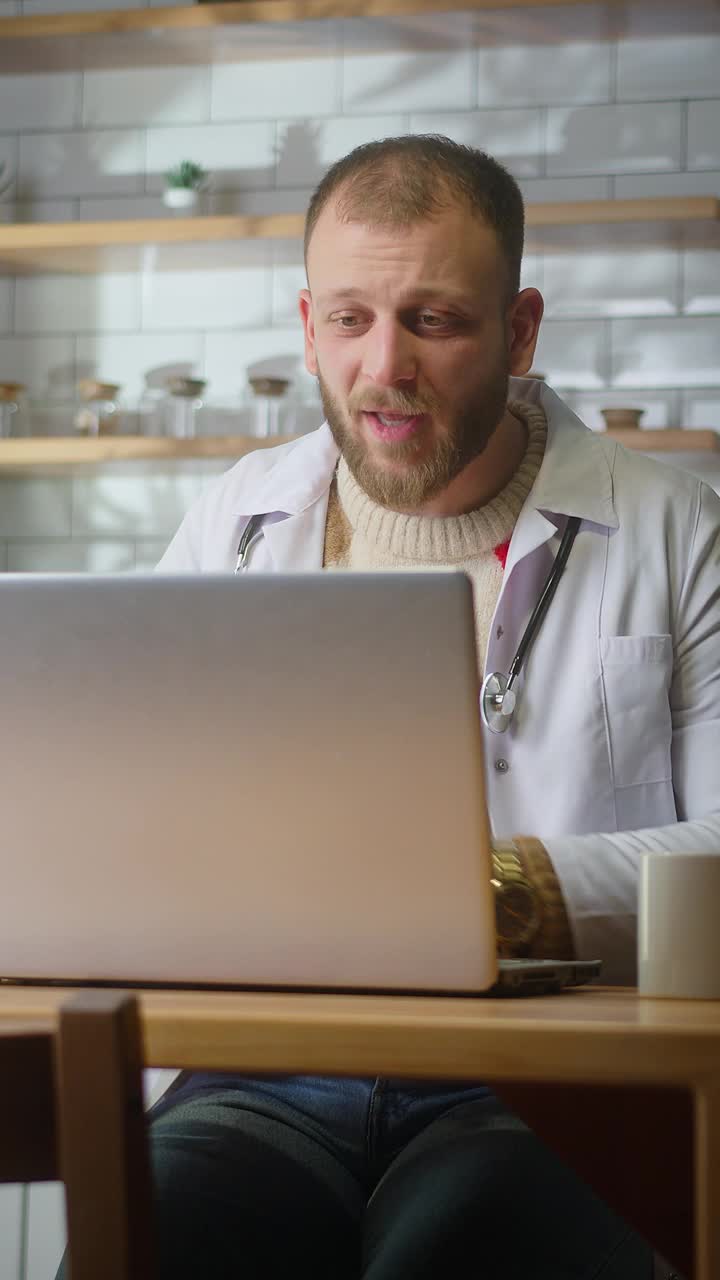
(273, 781)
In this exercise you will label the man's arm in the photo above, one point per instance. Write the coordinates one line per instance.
(596, 875)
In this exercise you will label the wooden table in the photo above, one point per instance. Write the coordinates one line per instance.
(626, 1089)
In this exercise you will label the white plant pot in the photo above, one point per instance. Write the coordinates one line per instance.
(181, 197)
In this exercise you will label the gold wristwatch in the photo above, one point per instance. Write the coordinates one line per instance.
(518, 909)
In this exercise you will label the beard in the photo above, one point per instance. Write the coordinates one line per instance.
(421, 477)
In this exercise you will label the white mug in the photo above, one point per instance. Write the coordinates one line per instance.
(679, 925)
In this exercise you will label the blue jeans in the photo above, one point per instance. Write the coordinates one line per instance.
(277, 1177)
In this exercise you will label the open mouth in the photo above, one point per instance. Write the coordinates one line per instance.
(393, 426)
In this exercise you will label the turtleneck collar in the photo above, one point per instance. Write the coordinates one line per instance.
(447, 539)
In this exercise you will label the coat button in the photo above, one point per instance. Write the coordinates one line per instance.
(501, 765)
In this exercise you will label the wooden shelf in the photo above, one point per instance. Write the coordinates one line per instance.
(159, 244)
(201, 242)
(69, 451)
(201, 33)
(199, 17)
(669, 440)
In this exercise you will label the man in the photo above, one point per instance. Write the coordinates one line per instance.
(435, 451)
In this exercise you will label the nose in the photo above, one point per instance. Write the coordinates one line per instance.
(389, 356)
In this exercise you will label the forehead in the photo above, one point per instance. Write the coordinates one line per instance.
(454, 248)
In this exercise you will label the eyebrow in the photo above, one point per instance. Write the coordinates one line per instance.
(420, 291)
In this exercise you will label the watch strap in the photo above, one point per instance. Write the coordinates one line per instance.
(508, 871)
(554, 939)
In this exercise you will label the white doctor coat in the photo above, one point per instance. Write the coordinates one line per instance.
(615, 745)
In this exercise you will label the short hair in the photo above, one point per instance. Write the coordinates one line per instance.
(399, 181)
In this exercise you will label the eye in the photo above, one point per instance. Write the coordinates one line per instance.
(346, 321)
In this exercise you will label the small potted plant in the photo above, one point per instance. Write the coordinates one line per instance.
(183, 185)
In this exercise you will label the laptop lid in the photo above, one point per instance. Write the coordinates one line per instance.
(272, 781)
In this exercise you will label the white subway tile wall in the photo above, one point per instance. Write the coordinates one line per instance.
(45, 1230)
(701, 408)
(6, 297)
(668, 67)
(639, 186)
(296, 70)
(552, 190)
(139, 361)
(239, 155)
(31, 7)
(665, 353)
(82, 163)
(10, 1221)
(234, 296)
(574, 355)
(69, 555)
(704, 134)
(305, 151)
(108, 505)
(574, 112)
(46, 366)
(593, 284)
(48, 100)
(619, 138)
(36, 507)
(537, 75)
(144, 95)
(20, 209)
(409, 64)
(701, 282)
(77, 304)
(515, 136)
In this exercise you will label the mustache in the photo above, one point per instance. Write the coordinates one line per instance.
(392, 402)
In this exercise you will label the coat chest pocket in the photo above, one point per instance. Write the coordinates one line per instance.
(637, 671)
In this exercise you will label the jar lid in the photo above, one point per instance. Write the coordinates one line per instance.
(92, 389)
(9, 391)
(181, 386)
(264, 386)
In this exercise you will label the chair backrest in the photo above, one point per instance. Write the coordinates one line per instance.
(71, 1107)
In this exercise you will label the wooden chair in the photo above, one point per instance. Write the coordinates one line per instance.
(71, 1108)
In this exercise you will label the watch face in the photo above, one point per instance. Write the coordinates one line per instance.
(516, 913)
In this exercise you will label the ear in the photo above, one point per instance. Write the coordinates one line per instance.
(523, 325)
(306, 315)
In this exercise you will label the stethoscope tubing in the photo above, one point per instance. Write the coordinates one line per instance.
(496, 685)
(538, 614)
(247, 537)
(498, 698)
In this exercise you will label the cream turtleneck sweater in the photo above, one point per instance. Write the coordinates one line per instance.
(360, 534)
(376, 538)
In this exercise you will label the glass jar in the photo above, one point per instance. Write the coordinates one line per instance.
(184, 400)
(267, 405)
(99, 415)
(10, 401)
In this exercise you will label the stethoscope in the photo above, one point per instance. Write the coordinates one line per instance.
(247, 537)
(498, 697)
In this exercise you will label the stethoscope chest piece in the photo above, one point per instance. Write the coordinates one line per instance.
(498, 702)
(498, 696)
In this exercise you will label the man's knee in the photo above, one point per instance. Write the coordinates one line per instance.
(242, 1193)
